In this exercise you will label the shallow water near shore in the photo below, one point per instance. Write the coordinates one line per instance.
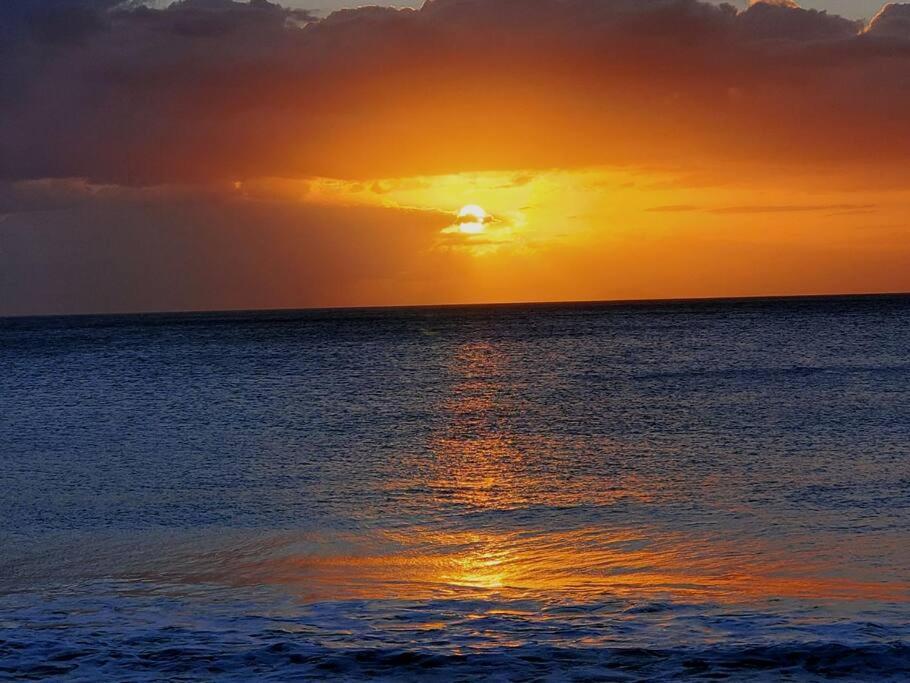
(592, 491)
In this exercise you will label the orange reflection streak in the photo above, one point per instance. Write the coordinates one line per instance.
(476, 462)
(578, 565)
(477, 466)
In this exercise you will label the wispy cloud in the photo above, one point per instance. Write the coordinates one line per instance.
(760, 209)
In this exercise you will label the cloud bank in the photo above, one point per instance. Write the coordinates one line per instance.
(214, 90)
(218, 154)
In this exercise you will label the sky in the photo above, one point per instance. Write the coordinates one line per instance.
(209, 154)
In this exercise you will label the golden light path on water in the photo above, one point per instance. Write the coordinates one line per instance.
(477, 468)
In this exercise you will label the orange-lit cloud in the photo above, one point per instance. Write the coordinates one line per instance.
(212, 89)
(218, 154)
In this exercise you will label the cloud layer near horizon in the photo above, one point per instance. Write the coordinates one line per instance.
(213, 90)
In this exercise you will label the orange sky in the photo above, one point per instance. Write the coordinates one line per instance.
(233, 155)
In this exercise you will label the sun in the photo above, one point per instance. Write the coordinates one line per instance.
(472, 219)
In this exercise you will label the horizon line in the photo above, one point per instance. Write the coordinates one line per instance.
(498, 304)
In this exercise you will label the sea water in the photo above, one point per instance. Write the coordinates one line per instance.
(639, 491)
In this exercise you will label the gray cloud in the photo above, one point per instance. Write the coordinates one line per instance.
(784, 20)
(214, 90)
(893, 21)
(206, 253)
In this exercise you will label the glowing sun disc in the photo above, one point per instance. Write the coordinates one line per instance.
(471, 219)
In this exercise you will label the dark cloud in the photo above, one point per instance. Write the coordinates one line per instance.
(893, 21)
(57, 194)
(141, 254)
(215, 90)
(784, 20)
(470, 219)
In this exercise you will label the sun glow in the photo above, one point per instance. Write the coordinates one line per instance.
(472, 219)
(587, 233)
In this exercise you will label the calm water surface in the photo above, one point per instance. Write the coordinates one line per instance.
(589, 491)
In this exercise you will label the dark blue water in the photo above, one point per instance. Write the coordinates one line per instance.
(585, 491)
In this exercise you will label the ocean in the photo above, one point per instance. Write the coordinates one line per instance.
(595, 491)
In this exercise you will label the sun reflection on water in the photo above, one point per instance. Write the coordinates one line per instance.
(477, 463)
(509, 522)
(571, 566)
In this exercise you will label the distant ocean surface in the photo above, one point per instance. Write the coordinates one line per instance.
(654, 491)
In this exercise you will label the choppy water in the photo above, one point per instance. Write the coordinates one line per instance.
(616, 492)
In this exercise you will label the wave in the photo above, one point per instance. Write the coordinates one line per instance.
(194, 655)
(125, 631)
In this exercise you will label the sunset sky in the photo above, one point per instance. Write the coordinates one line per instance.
(210, 154)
